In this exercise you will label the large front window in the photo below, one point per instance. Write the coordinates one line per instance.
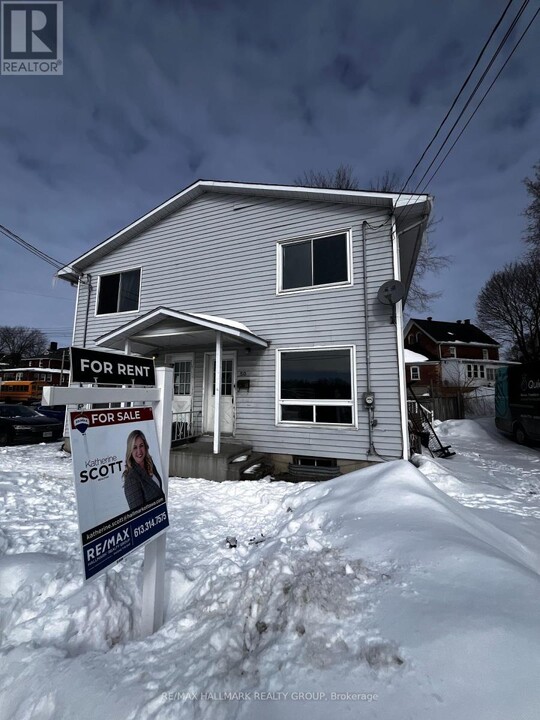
(314, 262)
(316, 386)
(119, 292)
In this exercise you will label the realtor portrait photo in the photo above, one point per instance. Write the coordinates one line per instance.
(142, 482)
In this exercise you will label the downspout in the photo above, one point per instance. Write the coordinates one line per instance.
(371, 421)
(88, 296)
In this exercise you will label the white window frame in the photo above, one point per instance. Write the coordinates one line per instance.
(313, 288)
(124, 312)
(183, 357)
(417, 369)
(452, 351)
(493, 372)
(485, 354)
(343, 403)
(476, 371)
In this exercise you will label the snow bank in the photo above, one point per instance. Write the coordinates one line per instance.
(377, 587)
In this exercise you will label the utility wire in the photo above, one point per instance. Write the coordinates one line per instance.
(31, 248)
(475, 89)
(401, 211)
(482, 100)
(462, 88)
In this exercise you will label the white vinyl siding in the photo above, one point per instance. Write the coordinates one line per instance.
(216, 258)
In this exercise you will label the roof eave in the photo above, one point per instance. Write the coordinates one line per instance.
(73, 271)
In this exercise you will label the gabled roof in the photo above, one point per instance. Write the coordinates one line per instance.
(163, 327)
(414, 207)
(452, 332)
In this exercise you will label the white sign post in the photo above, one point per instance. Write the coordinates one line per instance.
(161, 399)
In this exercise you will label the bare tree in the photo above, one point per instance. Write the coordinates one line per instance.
(388, 182)
(18, 342)
(532, 213)
(343, 178)
(508, 307)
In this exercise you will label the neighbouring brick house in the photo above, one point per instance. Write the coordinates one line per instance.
(456, 355)
(51, 368)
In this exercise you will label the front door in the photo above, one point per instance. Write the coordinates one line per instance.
(228, 375)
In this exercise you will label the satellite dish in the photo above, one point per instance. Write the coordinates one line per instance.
(391, 292)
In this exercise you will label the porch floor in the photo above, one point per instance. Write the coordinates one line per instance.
(197, 459)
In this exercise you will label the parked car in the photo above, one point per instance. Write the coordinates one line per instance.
(517, 402)
(58, 412)
(19, 423)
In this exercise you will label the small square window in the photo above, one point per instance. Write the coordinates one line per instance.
(119, 292)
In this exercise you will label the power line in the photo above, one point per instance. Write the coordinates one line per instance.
(482, 99)
(31, 248)
(462, 88)
(475, 89)
(504, 40)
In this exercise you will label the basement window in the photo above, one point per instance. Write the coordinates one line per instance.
(119, 292)
(304, 461)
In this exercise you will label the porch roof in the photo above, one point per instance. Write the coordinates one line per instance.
(165, 329)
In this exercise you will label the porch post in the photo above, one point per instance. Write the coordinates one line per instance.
(127, 351)
(217, 396)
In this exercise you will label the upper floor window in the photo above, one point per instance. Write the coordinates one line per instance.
(314, 262)
(452, 351)
(485, 354)
(415, 372)
(119, 292)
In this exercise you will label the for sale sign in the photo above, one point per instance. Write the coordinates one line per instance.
(118, 481)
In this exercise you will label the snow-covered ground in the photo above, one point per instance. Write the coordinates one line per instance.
(393, 592)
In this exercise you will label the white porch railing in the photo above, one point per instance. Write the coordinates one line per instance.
(414, 408)
(186, 425)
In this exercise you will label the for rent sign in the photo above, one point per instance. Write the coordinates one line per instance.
(118, 481)
(106, 368)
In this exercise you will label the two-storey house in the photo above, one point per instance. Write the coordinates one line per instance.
(459, 355)
(281, 283)
(50, 368)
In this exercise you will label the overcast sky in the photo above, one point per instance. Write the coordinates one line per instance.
(156, 95)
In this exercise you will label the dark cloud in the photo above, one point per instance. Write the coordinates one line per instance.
(157, 94)
(348, 72)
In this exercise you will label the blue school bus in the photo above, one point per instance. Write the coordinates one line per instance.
(517, 401)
